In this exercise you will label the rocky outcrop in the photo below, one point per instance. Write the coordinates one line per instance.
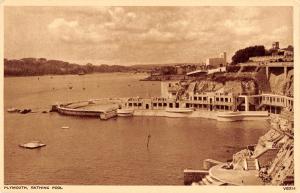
(279, 84)
(289, 84)
(282, 169)
(208, 86)
(231, 86)
(239, 158)
(262, 81)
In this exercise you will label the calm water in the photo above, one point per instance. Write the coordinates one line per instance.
(109, 152)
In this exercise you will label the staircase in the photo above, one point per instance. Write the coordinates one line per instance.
(252, 164)
(259, 106)
(209, 180)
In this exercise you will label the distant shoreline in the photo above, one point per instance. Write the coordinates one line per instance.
(7, 76)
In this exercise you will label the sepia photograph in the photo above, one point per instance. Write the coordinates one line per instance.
(148, 96)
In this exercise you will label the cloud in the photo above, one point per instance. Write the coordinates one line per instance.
(73, 32)
(242, 27)
(148, 34)
(60, 22)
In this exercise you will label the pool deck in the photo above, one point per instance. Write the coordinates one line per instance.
(98, 106)
(235, 177)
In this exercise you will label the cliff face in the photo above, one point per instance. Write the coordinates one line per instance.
(232, 86)
(289, 84)
(282, 167)
(262, 81)
(207, 86)
(282, 85)
(250, 83)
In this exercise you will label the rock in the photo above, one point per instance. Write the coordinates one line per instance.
(25, 111)
(13, 110)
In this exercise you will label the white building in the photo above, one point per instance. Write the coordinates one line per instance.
(217, 62)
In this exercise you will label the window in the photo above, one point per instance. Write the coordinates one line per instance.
(217, 99)
(200, 98)
(226, 100)
(204, 98)
(222, 99)
(154, 104)
(195, 98)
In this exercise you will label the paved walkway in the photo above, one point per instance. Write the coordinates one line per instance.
(236, 177)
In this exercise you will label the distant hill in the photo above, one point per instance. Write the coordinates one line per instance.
(42, 66)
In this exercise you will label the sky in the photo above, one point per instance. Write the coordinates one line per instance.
(141, 35)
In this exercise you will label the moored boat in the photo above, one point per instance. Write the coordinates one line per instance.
(242, 115)
(125, 112)
(13, 110)
(108, 114)
(179, 110)
(32, 145)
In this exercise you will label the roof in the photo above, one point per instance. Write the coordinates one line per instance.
(196, 72)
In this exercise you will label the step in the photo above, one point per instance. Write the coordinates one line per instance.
(213, 180)
(205, 181)
(251, 164)
(209, 178)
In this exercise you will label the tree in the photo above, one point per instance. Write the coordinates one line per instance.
(290, 48)
(168, 70)
(243, 55)
(89, 67)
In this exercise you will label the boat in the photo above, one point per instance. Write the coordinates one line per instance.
(13, 110)
(125, 112)
(65, 127)
(179, 110)
(108, 114)
(242, 115)
(32, 145)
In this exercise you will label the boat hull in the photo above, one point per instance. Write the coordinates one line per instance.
(125, 112)
(179, 110)
(242, 116)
